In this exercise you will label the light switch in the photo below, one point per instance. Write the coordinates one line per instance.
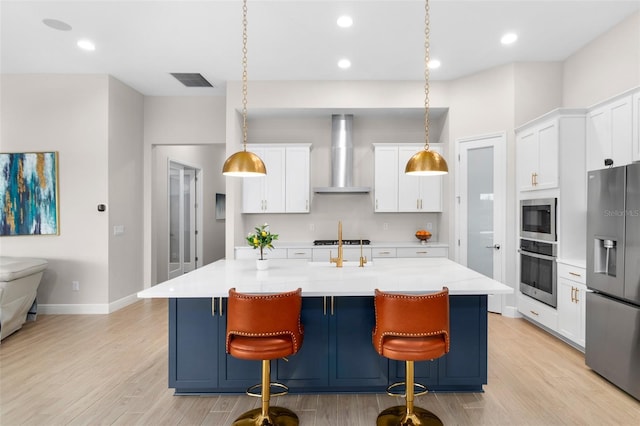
(118, 230)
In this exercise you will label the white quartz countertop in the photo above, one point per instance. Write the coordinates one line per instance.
(372, 244)
(324, 279)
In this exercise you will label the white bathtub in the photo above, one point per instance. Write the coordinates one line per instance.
(19, 281)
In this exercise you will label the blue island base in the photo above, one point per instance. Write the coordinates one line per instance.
(337, 355)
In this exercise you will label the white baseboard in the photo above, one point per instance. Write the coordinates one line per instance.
(511, 312)
(86, 308)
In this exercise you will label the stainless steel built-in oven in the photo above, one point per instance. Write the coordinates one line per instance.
(538, 271)
(538, 219)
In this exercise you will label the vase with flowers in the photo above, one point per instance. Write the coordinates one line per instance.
(262, 238)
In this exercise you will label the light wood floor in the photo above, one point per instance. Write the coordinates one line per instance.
(112, 370)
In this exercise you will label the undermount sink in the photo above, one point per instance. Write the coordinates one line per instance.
(345, 264)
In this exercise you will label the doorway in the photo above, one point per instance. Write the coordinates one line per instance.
(480, 208)
(183, 190)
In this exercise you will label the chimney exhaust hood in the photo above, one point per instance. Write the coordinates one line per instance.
(342, 158)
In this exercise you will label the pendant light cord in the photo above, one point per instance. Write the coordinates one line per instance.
(426, 75)
(244, 74)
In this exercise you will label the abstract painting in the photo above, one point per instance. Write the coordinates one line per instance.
(29, 193)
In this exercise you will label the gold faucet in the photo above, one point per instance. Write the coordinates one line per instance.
(338, 260)
(363, 259)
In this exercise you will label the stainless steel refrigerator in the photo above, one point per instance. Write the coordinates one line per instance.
(612, 346)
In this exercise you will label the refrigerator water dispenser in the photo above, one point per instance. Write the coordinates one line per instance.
(605, 254)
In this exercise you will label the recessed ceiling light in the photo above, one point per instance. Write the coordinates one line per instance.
(56, 24)
(509, 38)
(86, 45)
(434, 63)
(344, 63)
(345, 21)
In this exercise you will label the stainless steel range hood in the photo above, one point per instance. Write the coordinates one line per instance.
(342, 158)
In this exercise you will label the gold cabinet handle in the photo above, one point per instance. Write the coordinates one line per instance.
(332, 303)
(213, 306)
(573, 298)
(577, 290)
(418, 204)
(384, 252)
(324, 305)
(575, 274)
(422, 252)
(534, 313)
(220, 310)
(376, 204)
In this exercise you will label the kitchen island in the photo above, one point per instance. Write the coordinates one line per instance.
(337, 355)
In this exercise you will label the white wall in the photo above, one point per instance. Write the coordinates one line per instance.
(125, 191)
(70, 114)
(192, 123)
(537, 90)
(607, 66)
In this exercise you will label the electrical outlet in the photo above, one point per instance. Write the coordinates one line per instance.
(385, 226)
(312, 227)
(75, 285)
(429, 226)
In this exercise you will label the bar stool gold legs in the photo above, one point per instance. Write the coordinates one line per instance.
(410, 328)
(266, 415)
(405, 415)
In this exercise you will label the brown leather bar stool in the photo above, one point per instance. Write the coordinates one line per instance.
(411, 328)
(264, 327)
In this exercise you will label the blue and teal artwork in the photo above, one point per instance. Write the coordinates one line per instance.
(29, 189)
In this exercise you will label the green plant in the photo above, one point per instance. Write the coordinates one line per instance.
(261, 238)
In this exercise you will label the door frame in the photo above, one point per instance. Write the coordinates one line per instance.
(500, 199)
(196, 219)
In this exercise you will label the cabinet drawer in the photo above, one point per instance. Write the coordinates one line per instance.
(351, 254)
(572, 273)
(299, 253)
(423, 252)
(383, 252)
(539, 312)
(250, 253)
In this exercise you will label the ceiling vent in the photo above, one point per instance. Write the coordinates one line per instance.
(192, 79)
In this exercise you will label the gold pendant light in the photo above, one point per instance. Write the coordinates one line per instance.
(244, 163)
(426, 162)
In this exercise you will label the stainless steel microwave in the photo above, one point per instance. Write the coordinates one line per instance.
(538, 219)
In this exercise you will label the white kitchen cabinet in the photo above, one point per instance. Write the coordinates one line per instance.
(571, 303)
(385, 185)
(422, 252)
(285, 188)
(539, 312)
(297, 179)
(383, 252)
(541, 145)
(251, 253)
(397, 192)
(417, 194)
(349, 254)
(609, 133)
(299, 253)
(636, 126)
(537, 156)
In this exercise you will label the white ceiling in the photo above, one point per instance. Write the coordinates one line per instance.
(141, 42)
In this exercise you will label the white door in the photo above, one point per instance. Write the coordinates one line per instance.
(182, 219)
(481, 206)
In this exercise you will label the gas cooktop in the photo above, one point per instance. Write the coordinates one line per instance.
(344, 242)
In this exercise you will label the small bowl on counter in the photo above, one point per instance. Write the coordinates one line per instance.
(423, 236)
